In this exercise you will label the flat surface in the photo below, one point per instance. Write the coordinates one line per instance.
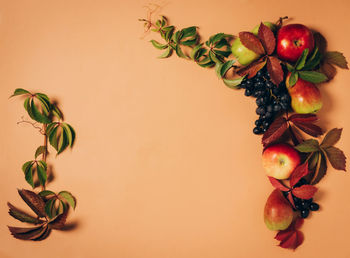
(165, 164)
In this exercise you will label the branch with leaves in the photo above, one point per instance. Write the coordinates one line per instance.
(50, 209)
(287, 126)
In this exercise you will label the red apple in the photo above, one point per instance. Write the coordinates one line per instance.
(292, 39)
(278, 213)
(279, 160)
(306, 97)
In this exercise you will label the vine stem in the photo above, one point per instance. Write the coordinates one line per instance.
(44, 157)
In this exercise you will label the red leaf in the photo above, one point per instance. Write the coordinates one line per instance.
(332, 137)
(304, 191)
(252, 69)
(296, 137)
(309, 128)
(275, 70)
(267, 38)
(59, 222)
(290, 198)
(252, 42)
(336, 157)
(291, 237)
(298, 173)
(277, 184)
(275, 131)
(303, 118)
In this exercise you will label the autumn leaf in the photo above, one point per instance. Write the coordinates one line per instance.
(321, 168)
(305, 122)
(336, 58)
(22, 216)
(33, 233)
(336, 157)
(298, 173)
(275, 131)
(275, 70)
(291, 237)
(252, 68)
(277, 184)
(304, 191)
(332, 137)
(34, 201)
(59, 221)
(252, 42)
(267, 38)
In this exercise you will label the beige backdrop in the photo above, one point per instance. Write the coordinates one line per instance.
(165, 163)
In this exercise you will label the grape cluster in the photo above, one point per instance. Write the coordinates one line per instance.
(303, 205)
(270, 99)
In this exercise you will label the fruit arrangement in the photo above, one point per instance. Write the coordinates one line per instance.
(281, 67)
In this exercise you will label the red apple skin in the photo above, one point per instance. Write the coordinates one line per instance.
(292, 39)
(305, 96)
(278, 213)
(279, 160)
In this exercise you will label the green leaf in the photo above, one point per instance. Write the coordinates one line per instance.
(37, 116)
(179, 52)
(43, 164)
(222, 53)
(332, 137)
(195, 50)
(234, 83)
(40, 150)
(336, 58)
(189, 32)
(63, 142)
(314, 60)
(45, 193)
(178, 36)
(221, 43)
(213, 57)
(320, 170)
(167, 53)
(70, 133)
(49, 208)
(50, 127)
(28, 175)
(290, 67)
(307, 146)
(45, 102)
(56, 112)
(158, 45)
(42, 176)
(301, 61)
(293, 78)
(226, 66)
(216, 38)
(22, 216)
(206, 62)
(190, 42)
(19, 91)
(311, 76)
(68, 197)
(168, 32)
(26, 165)
(218, 67)
(53, 138)
(28, 108)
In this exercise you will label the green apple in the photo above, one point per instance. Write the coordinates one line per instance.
(271, 25)
(244, 55)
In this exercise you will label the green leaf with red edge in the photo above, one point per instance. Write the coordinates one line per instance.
(252, 68)
(298, 173)
(275, 131)
(310, 145)
(267, 38)
(252, 42)
(332, 137)
(336, 157)
(304, 191)
(321, 168)
(336, 58)
(277, 184)
(275, 70)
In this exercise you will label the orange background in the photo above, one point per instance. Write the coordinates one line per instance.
(165, 163)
